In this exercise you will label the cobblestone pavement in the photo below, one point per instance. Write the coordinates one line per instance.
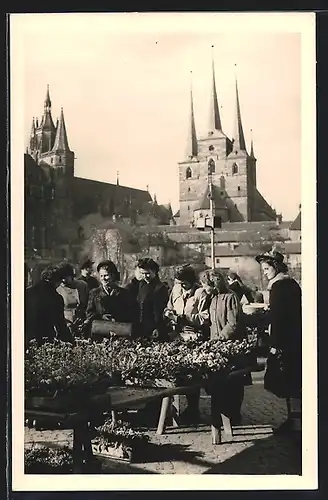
(254, 449)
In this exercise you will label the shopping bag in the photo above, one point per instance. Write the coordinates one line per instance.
(275, 378)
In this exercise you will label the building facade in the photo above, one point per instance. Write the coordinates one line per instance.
(231, 168)
(56, 200)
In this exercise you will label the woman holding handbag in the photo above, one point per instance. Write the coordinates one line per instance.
(109, 303)
(283, 376)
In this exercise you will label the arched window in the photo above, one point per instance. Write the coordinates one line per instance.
(188, 173)
(234, 169)
(211, 166)
(238, 189)
(188, 189)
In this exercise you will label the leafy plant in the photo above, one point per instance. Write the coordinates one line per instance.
(43, 460)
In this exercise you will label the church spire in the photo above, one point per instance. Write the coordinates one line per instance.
(61, 142)
(215, 120)
(192, 148)
(252, 155)
(239, 138)
(47, 102)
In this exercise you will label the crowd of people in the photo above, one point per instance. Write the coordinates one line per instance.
(208, 306)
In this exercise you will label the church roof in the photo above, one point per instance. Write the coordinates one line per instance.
(296, 224)
(88, 194)
(61, 142)
(219, 201)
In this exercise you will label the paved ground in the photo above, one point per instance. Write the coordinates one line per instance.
(254, 450)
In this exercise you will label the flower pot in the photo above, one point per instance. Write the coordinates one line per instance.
(117, 452)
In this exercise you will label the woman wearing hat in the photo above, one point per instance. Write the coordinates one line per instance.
(284, 368)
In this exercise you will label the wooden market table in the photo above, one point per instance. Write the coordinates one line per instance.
(117, 399)
(127, 397)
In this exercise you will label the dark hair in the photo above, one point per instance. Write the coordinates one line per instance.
(51, 274)
(280, 267)
(86, 264)
(148, 264)
(65, 269)
(186, 273)
(110, 267)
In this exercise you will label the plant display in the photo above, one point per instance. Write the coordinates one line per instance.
(61, 366)
(89, 366)
(45, 460)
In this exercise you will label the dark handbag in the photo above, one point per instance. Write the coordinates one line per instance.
(106, 328)
(275, 378)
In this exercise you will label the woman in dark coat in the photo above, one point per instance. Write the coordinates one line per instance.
(44, 309)
(285, 317)
(152, 298)
(226, 323)
(109, 301)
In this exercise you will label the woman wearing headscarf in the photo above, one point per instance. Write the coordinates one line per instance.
(226, 323)
(187, 313)
(284, 366)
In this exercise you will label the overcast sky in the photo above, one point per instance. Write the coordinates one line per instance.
(124, 87)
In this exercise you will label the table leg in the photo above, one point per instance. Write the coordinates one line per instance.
(77, 450)
(82, 448)
(166, 402)
(227, 427)
(216, 419)
(175, 410)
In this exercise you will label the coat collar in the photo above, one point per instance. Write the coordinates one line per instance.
(278, 277)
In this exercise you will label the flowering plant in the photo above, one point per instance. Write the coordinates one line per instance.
(43, 460)
(59, 366)
(90, 366)
(117, 433)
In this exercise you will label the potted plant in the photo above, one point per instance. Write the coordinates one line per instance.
(118, 440)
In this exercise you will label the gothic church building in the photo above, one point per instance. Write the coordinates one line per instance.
(229, 167)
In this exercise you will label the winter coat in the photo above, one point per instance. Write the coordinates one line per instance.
(152, 299)
(44, 314)
(91, 281)
(285, 317)
(226, 317)
(190, 307)
(118, 304)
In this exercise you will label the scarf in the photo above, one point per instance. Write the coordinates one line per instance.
(278, 277)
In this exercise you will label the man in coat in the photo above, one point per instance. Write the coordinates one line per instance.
(44, 309)
(86, 275)
(152, 299)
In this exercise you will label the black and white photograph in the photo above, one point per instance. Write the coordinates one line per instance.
(163, 251)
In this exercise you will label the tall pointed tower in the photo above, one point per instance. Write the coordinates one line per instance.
(207, 151)
(48, 143)
(61, 155)
(43, 132)
(241, 181)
